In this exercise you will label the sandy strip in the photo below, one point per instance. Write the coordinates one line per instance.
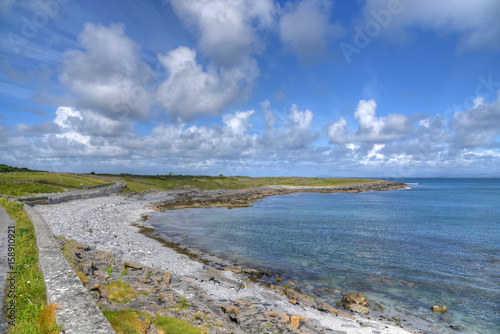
(107, 223)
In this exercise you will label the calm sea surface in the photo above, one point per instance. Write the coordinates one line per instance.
(435, 244)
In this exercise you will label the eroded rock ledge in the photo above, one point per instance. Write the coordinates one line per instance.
(245, 197)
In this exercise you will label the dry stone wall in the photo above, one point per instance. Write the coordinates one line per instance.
(73, 196)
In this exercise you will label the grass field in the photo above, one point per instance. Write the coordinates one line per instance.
(43, 183)
(25, 189)
(57, 179)
(142, 183)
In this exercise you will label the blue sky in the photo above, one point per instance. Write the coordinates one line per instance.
(252, 87)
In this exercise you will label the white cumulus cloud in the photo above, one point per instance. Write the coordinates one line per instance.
(478, 126)
(238, 122)
(371, 129)
(227, 29)
(108, 75)
(190, 91)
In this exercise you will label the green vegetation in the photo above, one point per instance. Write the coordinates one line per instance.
(183, 304)
(128, 321)
(110, 270)
(67, 250)
(32, 313)
(56, 179)
(136, 183)
(25, 189)
(123, 273)
(120, 292)
(23, 182)
(175, 326)
(9, 169)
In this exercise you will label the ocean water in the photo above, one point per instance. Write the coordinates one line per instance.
(437, 243)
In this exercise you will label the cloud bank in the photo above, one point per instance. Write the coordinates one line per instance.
(392, 144)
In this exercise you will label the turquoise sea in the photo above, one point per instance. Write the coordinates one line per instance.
(437, 243)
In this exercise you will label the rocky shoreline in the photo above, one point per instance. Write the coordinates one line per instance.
(233, 198)
(230, 297)
(117, 285)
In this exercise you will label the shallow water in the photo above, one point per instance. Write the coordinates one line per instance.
(435, 244)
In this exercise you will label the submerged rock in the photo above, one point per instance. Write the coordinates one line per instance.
(441, 309)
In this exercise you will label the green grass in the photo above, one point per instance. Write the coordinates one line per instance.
(32, 313)
(120, 292)
(123, 273)
(127, 322)
(56, 179)
(233, 182)
(43, 183)
(25, 189)
(183, 304)
(175, 326)
(133, 187)
(110, 270)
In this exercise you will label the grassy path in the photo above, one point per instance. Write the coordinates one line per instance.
(32, 315)
(5, 222)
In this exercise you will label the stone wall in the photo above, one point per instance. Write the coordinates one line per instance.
(77, 312)
(73, 196)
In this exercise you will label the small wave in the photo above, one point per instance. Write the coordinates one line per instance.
(412, 184)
